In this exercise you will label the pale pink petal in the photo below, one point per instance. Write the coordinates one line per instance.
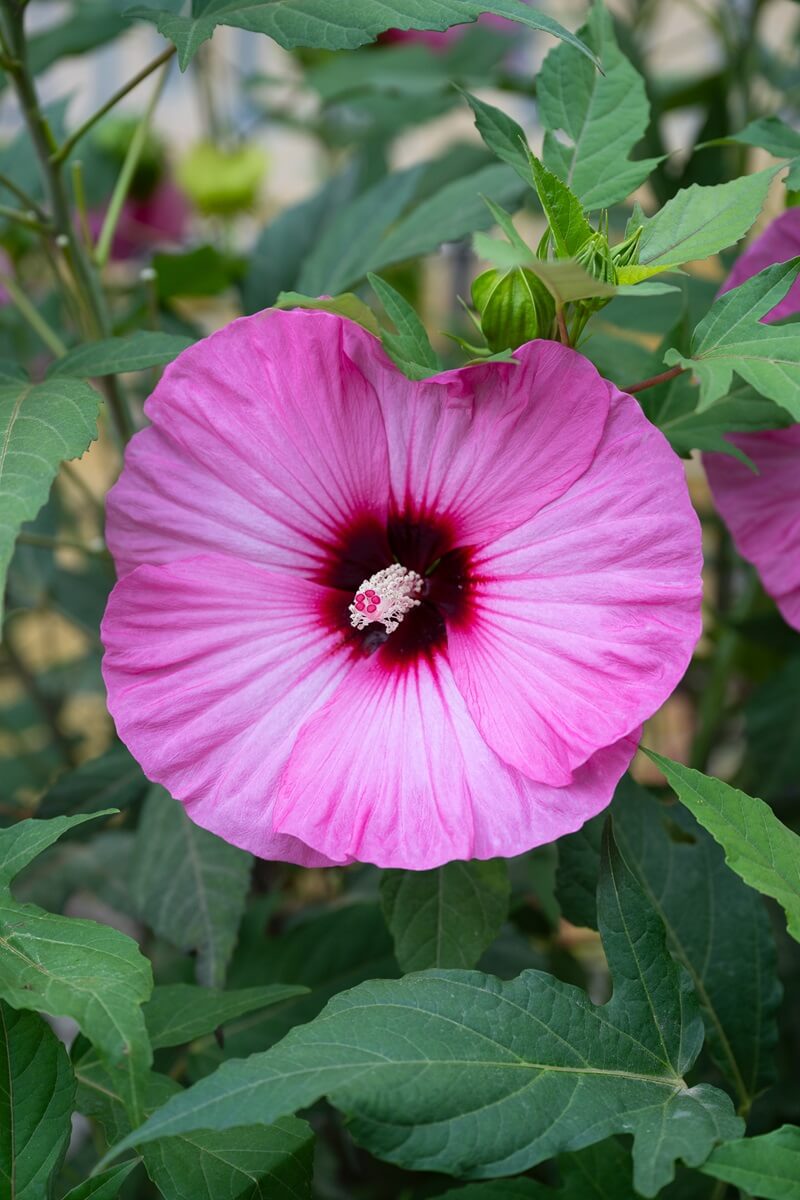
(265, 441)
(211, 666)
(486, 446)
(584, 619)
(779, 242)
(393, 771)
(763, 511)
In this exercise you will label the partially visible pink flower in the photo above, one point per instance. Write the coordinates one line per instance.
(148, 222)
(364, 618)
(441, 40)
(762, 510)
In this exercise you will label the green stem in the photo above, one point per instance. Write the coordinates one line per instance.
(34, 318)
(71, 142)
(125, 178)
(23, 197)
(79, 193)
(28, 219)
(712, 708)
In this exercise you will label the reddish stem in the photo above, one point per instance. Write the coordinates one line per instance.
(653, 381)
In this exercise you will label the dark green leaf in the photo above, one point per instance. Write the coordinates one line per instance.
(409, 347)
(767, 1167)
(37, 1092)
(114, 780)
(40, 426)
(563, 210)
(456, 1071)
(178, 1012)
(772, 717)
(502, 135)
(104, 1186)
(717, 929)
(189, 885)
(117, 355)
(446, 917)
(199, 272)
(20, 844)
(337, 24)
(594, 120)
(757, 846)
(771, 134)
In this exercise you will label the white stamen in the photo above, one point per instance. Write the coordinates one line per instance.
(386, 597)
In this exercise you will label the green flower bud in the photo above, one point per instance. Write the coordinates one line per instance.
(113, 136)
(514, 307)
(626, 253)
(222, 181)
(595, 257)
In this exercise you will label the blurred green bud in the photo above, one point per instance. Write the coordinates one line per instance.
(221, 181)
(514, 307)
(595, 257)
(113, 137)
(626, 252)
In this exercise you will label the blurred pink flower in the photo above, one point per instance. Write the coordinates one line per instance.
(441, 40)
(146, 223)
(364, 618)
(763, 511)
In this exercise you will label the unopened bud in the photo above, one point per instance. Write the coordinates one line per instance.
(514, 307)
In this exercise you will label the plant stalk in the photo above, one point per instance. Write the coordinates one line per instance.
(653, 381)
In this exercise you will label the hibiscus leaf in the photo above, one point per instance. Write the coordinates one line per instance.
(409, 347)
(189, 885)
(716, 927)
(114, 779)
(345, 305)
(446, 917)
(563, 210)
(502, 135)
(40, 425)
(104, 1186)
(600, 1172)
(37, 1091)
(731, 337)
(593, 120)
(457, 1071)
(119, 354)
(757, 846)
(337, 24)
(767, 1167)
(696, 223)
(178, 1012)
(253, 1161)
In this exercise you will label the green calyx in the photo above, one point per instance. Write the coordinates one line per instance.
(222, 182)
(626, 253)
(514, 307)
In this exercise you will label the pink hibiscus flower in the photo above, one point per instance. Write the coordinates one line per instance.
(763, 511)
(364, 618)
(441, 40)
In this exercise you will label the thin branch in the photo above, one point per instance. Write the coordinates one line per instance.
(653, 381)
(562, 326)
(28, 219)
(24, 198)
(68, 146)
(34, 318)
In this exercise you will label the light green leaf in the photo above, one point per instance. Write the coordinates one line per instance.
(337, 24)
(594, 120)
(114, 780)
(104, 1186)
(502, 135)
(40, 425)
(757, 846)
(37, 1092)
(116, 355)
(189, 885)
(731, 337)
(446, 917)
(457, 1071)
(563, 210)
(178, 1012)
(409, 347)
(717, 928)
(767, 1167)
(346, 305)
(698, 222)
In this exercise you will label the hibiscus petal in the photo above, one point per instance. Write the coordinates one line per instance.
(779, 242)
(265, 440)
(211, 666)
(583, 620)
(393, 771)
(763, 511)
(487, 446)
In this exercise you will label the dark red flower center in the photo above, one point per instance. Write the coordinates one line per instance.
(423, 544)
